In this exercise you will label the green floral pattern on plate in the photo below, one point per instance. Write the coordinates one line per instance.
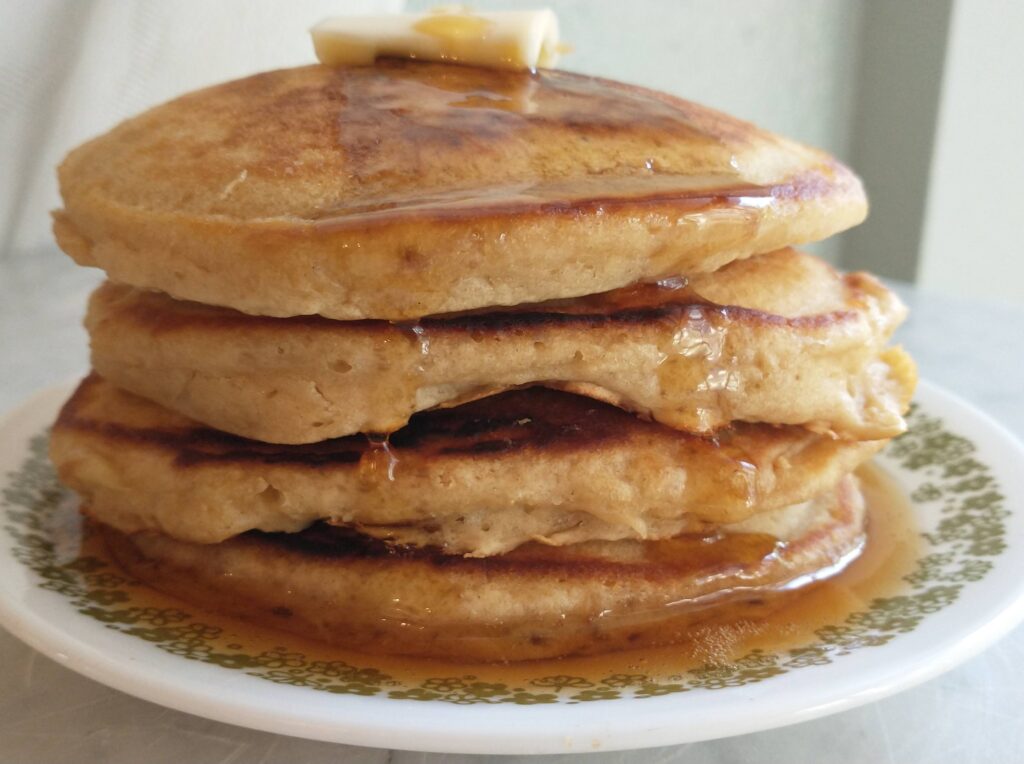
(950, 481)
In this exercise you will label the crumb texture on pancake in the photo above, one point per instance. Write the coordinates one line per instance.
(485, 533)
(780, 338)
(139, 466)
(535, 602)
(407, 189)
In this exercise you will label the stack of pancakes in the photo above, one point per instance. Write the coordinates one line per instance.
(442, 360)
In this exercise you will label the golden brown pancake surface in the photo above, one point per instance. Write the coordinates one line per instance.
(779, 338)
(533, 463)
(406, 189)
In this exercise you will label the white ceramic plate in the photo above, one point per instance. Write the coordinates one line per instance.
(965, 475)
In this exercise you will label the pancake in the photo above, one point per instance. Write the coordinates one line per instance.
(407, 189)
(536, 602)
(779, 338)
(595, 471)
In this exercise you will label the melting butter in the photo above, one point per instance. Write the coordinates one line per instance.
(500, 40)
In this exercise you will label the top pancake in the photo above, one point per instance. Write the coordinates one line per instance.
(404, 189)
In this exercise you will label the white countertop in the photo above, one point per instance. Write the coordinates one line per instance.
(49, 714)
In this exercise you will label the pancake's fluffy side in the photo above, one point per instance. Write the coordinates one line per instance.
(141, 467)
(485, 533)
(779, 338)
(537, 602)
(407, 189)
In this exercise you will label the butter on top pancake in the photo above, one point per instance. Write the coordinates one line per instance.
(485, 477)
(535, 602)
(779, 338)
(405, 189)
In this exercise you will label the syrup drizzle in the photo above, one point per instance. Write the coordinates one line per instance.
(452, 123)
(379, 459)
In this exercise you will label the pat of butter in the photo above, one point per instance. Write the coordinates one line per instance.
(500, 40)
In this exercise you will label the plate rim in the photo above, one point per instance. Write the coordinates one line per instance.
(584, 727)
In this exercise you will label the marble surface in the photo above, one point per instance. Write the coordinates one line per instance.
(50, 715)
